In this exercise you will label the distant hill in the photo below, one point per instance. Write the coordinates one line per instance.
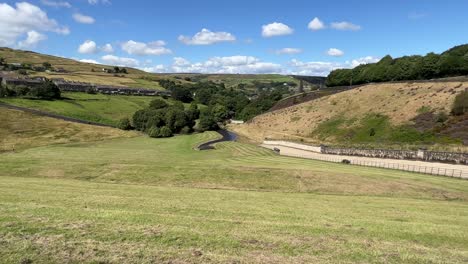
(453, 62)
(89, 72)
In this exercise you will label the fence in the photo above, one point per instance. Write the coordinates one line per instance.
(439, 171)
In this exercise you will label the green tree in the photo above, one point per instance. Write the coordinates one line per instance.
(48, 90)
(47, 65)
(124, 124)
(158, 104)
(207, 121)
(154, 132)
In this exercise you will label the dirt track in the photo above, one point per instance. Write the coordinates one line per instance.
(433, 168)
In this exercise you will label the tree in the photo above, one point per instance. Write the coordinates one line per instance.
(193, 113)
(48, 90)
(2, 61)
(207, 121)
(124, 124)
(158, 104)
(182, 94)
(219, 113)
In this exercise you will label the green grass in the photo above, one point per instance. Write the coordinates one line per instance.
(143, 200)
(106, 109)
(376, 130)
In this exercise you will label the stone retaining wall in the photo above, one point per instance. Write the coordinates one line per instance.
(431, 156)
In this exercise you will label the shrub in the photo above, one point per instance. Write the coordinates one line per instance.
(48, 90)
(460, 106)
(124, 124)
(441, 117)
(158, 104)
(165, 132)
(185, 130)
(154, 132)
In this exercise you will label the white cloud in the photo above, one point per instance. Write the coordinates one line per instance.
(316, 24)
(139, 48)
(276, 29)
(120, 61)
(89, 61)
(288, 51)
(56, 3)
(88, 47)
(230, 65)
(33, 37)
(345, 26)
(95, 2)
(83, 19)
(335, 52)
(17, 21)
(107, 48)
(363, 60)
(207, 37)
(322, 68)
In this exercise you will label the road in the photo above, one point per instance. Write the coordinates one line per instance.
(433, 168)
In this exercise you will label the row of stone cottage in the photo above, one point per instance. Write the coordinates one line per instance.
(71, 86)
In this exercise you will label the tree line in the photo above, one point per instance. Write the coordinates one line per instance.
(453, 62)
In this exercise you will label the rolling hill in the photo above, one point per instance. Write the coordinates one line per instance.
(395, 112)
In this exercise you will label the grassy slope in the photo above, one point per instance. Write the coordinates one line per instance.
(238, 203)
(80, 71)
(21, 130)
(106, 109)
(400, 102)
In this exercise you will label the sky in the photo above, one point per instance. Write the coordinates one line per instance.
(304, 37)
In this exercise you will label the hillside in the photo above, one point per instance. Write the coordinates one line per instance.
(92, 73)
(394, 111)
(20, 130)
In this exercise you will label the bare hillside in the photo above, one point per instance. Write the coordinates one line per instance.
(399, 103)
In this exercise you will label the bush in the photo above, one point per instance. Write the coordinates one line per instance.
(165, 132)
(185, 130)
(48, 90)
(158, 104)
(154, 132)
(125, 124)
(460, 106)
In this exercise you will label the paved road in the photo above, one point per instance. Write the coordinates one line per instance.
(226, 136)
(44, 113)
(443, 169)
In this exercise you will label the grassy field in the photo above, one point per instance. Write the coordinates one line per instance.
(106, 109)
(20, 130)
(142, 200)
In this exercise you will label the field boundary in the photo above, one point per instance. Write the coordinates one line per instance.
(437, 169)
(52, 115)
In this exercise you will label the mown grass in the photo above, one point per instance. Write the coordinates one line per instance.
(143, 200)
(20, 130)
(105, 109)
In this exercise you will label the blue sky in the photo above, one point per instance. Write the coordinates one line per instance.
(233, 36)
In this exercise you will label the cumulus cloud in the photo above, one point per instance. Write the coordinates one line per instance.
(89, 61)
(363, 60)
(207, 37)
(33, 37)
(322, 68)
(83, 19)
(17, 21)
(56, 4)
(229, 65)
(88, 47)
(316, 24)
(107, 48)
(335, 52)
(140, 48)
(276, 29)
(345, 26)
(288, 51)
(120, 61)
